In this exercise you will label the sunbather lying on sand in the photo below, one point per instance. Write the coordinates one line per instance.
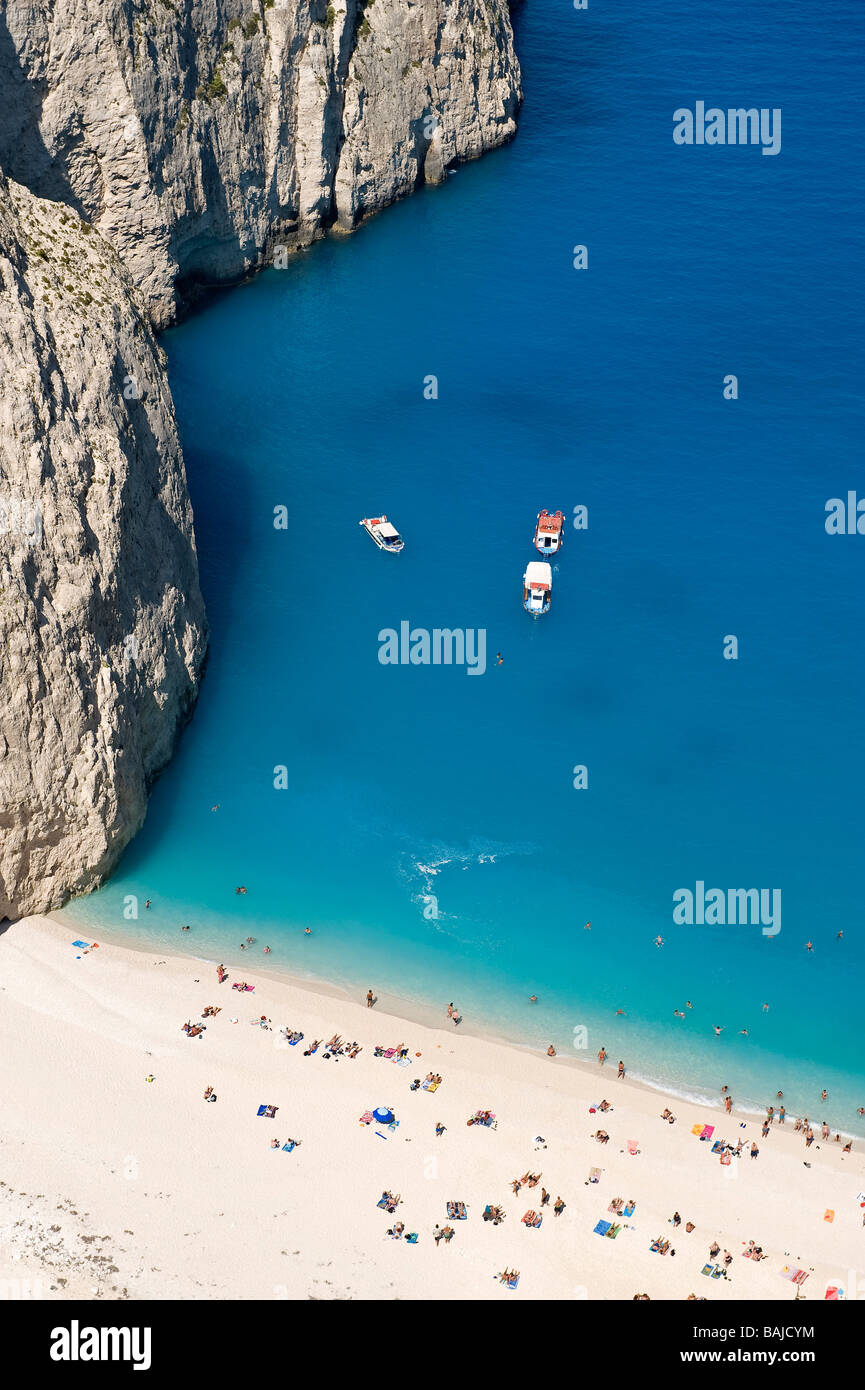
(601, 1135)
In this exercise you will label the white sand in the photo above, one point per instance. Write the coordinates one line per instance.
(111, 1184)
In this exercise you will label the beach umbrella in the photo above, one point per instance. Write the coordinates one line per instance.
(383, 1115)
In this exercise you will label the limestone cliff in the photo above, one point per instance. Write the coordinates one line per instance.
(102, 628)
(156, 145)
(196, 134)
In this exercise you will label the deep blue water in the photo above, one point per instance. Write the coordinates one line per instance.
(557, 387)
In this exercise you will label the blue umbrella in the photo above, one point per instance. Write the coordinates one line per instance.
(383, 1115)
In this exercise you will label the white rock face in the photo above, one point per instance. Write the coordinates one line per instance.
(158, 146)
(197, 134)
(102, 627)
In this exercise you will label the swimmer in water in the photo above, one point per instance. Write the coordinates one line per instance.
(147, 903)
(659, 941)
(824, 1095)
(216, 807)
(765, 1008)
(587, 927)
(840, 936)
(622, 1012)
(717, 1030)
(688, 1004)
(743, 1032)
(808, 946)
(679, 1013)
(267, 950)
(307, 931)
(533, 999)
(551, 1051)
(499, 658)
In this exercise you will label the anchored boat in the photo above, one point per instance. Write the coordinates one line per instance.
(385, 536)
(549, 532)
(537, 587)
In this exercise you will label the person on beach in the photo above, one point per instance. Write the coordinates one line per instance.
(728, 1104)
(551, 1051)
(714, 1250)
(602, 1056)
(440, 1129)
(621, 1071)
(558, 1206)
(545, 1197)
(676, 1219)
(765, 1129)
(450, 1010)
(782, 1115)
(754, 1150)
(369, 999)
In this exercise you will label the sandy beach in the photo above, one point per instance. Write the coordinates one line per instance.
(112, 1186)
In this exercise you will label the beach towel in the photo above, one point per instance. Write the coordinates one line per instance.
(632, 1146)
(613, 1232)
(512, 1283)
(602, 1228)
(833, 1294)
(404, 1062)
(719, 1146)
(696, 1129)
(425, 1085)
(433, 1086)
(268, 1110)
(292, 1042)
(828, 1214)
(594, 1175)
(366, 1117)
(708, 1131)
(717, 1272)
(630, 1209)
(798, 1276)
(85, 945)
(390, 1053)
(287, 1148)
(708, 1270)
(411, 1239)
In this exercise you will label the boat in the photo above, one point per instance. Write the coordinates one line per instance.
(537, 587)
(549, 532)
(383, 533)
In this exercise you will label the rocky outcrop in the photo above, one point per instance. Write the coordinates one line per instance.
(197, 134)
(156, 146)
(102, 628)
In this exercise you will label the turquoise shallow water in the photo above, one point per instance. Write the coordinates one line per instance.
(418, 790)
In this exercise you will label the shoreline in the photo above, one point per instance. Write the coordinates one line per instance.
(128, 1190)
(413, 1011)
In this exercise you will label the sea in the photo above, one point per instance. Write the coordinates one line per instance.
(689, 712)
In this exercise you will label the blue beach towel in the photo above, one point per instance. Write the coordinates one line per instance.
(287, 1148)
(602, 1228)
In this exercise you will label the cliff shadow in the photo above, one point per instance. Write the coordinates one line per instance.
(24, 156)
